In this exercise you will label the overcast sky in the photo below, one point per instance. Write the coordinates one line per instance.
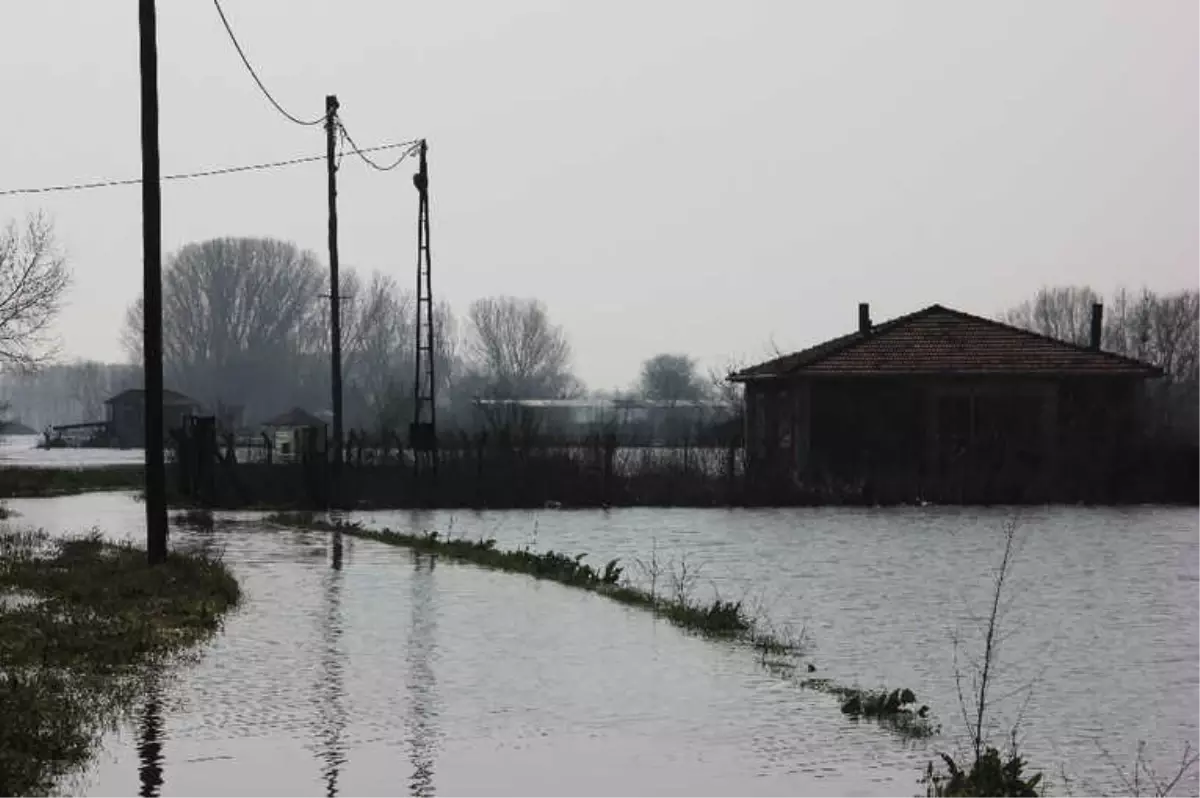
(667, 176)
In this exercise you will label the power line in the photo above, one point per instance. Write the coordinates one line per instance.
(412, 147)
(254, 74)
(225, 170)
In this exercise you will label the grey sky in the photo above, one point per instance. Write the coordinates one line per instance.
(666, 176)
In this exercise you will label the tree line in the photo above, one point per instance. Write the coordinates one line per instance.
(1160, 329)
(246, 321)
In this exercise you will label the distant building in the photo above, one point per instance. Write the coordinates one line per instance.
(125, 414)
(633, 420)
(288, 431)
(16, 428)
(945, 406)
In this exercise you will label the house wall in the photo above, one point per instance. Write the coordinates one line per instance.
(943, 438)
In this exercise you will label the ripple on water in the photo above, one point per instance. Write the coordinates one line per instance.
(393, 675)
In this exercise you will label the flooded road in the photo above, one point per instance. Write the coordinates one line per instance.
(1100, 634)
(397, 675)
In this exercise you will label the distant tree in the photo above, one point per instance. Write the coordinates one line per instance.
(1163, 330)
(1063, 312)
(513, 350)
(33, 278)
(670, 378)
(1158, 329)
(725, 393)
(237, 315)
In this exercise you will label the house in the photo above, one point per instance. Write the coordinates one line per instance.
(944, 406)
(288, 433)
(125, 415)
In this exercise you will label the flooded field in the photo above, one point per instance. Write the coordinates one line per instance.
(396, 674)
(17, 451)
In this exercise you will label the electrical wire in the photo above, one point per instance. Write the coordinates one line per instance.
(360, 152)
(225, 170)
(253, 74)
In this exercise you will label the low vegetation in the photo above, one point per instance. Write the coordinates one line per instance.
(896, 709)
(81, 621)
(44, 482)
(718, 618)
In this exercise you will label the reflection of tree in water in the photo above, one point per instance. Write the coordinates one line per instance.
(330, 689)
(421, 719)
(150, 732)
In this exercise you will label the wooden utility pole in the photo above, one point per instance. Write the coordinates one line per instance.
(152, 366)
(335, 302)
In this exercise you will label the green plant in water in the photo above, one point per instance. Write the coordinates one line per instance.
(991, 774)
(895, 708)
(718, 618)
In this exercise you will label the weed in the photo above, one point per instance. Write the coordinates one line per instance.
(718, 618)
(69, 662)
(893, 708)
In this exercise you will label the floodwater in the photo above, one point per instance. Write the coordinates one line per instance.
(395, 674)
(21, 451)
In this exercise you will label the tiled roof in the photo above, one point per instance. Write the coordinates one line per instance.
(169, 397)
(938, 340)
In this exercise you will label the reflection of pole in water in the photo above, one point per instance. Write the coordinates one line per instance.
(331, 713)
(337, 550)
(421, 718)
(150, 744)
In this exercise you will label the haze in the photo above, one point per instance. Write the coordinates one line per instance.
(670, 176)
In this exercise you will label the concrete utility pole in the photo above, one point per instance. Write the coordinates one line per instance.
(335, 302)
(156, 477)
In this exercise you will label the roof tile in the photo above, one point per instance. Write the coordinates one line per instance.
(938, 340)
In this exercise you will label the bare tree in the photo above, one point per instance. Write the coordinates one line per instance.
(33, 279)
(1063, 312)
(513, 350)
(1163, 330)
(670, 378)
(236, 315)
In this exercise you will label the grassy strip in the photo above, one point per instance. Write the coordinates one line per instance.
(43, 482)
(723, 619)
(718, 619)
(80, 621)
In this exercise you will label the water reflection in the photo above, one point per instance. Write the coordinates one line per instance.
(330, 687)
(150, 744)
(421, 721)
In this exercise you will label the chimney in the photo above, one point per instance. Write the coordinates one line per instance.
(864, 318)
(1097, 326)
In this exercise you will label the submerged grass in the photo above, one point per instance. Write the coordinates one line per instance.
(93, 617)
(43, 482)
(719, 618)
(896, 708)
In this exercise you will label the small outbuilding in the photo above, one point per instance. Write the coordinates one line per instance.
(290, 434)
(125, 415)
(945, 406)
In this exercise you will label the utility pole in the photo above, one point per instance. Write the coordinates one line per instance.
(423, 433)
(335, 302)
(152, 366)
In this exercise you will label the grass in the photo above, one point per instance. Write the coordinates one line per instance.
(80, 621)
(896, 708)
(718, 618)
(43, 482)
